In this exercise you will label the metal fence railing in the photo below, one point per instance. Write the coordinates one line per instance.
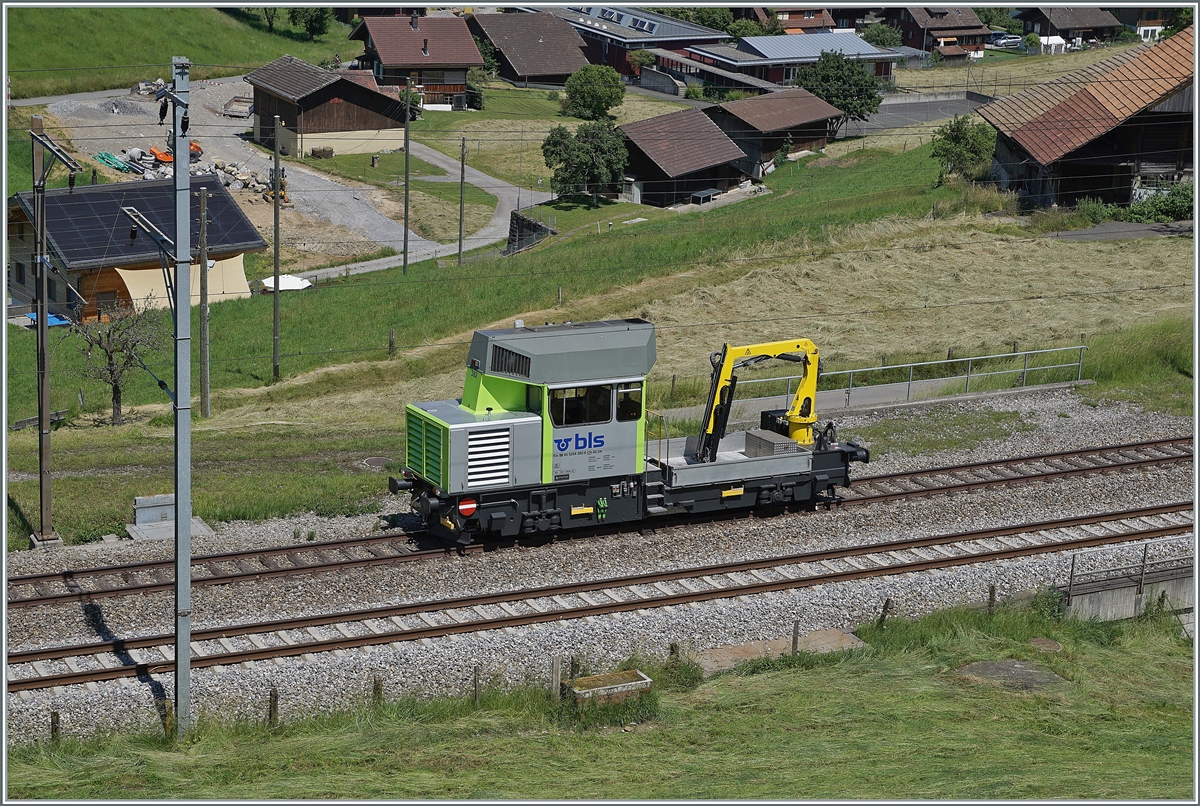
(972, 371)
(1138, 570)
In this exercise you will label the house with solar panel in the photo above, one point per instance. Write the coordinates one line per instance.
(318, 108)
(679, 158)
(777, 59)
(611, 33)
(1116, 131)
(100, 261)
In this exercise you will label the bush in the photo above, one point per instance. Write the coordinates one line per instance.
(552, 95)
(1032, 42)
(1128, 37)
(694, 93)
(1096, 211)
(1174, 205)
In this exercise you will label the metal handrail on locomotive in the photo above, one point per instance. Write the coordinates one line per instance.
(550, 435)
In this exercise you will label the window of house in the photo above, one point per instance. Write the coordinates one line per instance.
(581, 405)
(21, 230)
(53, 286)
(1151, 14)
(629, 402)
(808, 15)
(789, 73)
(106, 301)
(433, 77)
(20, 267)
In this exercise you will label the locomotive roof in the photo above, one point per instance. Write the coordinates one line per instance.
(566, 353)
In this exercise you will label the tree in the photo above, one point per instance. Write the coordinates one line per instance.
(488, 51)
(112, 348)
(960, 145)
(781, 156)
(593, 156)
(882, 35)
(1032, 42)
(715, 17)
(842, 83)
(642, 58)
(1176, 20)
(592, 91)
(739, 29)
(999, 18)
(270, 14)
(314, 21)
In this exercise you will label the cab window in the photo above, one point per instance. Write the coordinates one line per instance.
(629, 402)
(581, 405)
(533, 399)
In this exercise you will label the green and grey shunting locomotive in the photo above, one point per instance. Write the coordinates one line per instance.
(550, 436)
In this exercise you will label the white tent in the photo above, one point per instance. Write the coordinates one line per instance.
(287, 282)
(1056, 44)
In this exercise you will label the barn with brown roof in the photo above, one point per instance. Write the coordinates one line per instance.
(531, 48)
(760, 126)
(1113, 131)
(678, 158)
(321, 108)
(434, 52)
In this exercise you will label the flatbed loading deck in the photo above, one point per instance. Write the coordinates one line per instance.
(682, 469)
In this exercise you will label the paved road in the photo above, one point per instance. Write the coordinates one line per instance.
(897, 115)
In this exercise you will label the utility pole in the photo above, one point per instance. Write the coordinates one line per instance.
(462, 196)
(407, 115)
(275, 185)
(520, 165)
(42, 266)
(205, 402)
(183, 401)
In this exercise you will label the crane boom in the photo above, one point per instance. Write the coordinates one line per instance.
(801, 414)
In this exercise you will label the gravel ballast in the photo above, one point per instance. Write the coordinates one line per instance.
(333, 681)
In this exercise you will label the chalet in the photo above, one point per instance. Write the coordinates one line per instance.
(1072, 23)
(1114, 131)
(611, 33)
(778, 58)
(89, 244)
(319, 107)
(433, 52)
(956, 33)
(531, 48)
(761, 126)
(805, 20)
(1147, 23)
(679, 157)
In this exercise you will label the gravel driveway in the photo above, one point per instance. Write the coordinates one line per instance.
(113, 121)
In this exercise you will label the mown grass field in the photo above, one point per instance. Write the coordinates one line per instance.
(118, 47)
(894, 721)
(1004, 75)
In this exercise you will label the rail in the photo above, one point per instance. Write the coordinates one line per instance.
(971, 361)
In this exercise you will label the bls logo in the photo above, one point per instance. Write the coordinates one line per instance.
(581, 442)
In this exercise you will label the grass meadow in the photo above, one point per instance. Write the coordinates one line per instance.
(897, 720)
(59, 50)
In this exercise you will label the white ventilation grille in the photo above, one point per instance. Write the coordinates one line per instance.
(488, 458)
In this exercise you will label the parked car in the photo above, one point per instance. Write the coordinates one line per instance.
(1008, 41)
(995, 36)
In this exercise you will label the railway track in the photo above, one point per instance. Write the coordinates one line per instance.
(396, 547)
(363, 629)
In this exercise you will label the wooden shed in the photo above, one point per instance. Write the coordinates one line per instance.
(319, 107)
(675, 157)
(760, 126)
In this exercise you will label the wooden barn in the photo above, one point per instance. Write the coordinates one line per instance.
(88, 242)
(760, 126)
(679, 158)
(531, 48)
(319, 108)
(1115, 131)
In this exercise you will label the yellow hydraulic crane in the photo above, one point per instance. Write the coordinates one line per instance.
(800, 415)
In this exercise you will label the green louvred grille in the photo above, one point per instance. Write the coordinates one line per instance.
(427, 443)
